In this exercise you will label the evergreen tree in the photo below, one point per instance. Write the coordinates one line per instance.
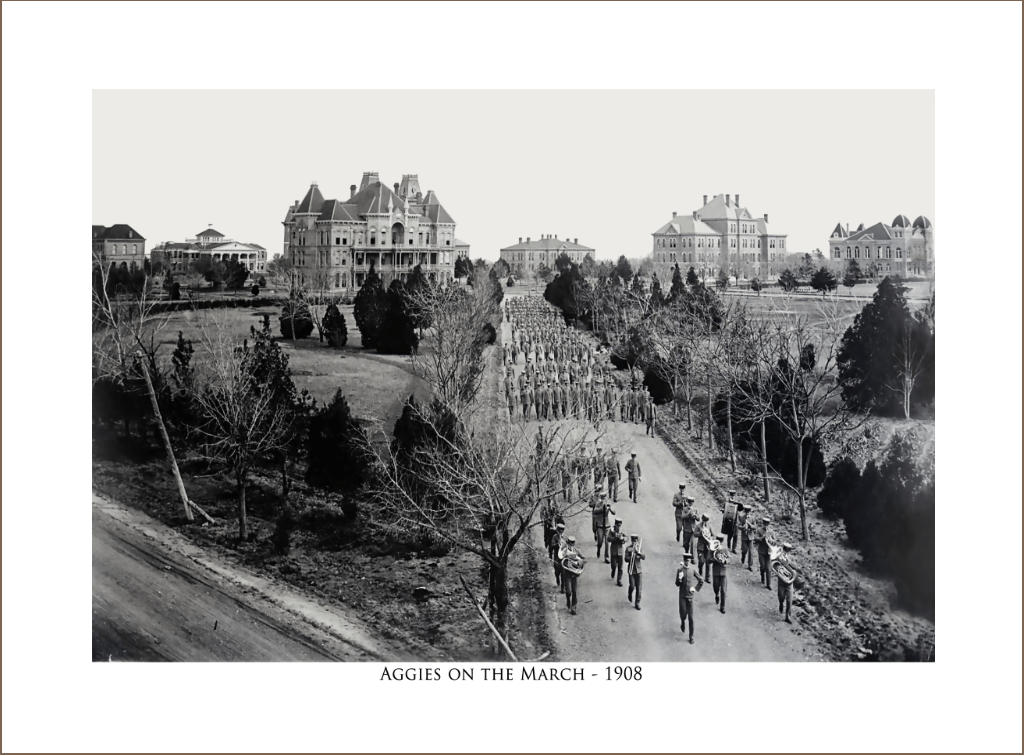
(756, 285)
(397, 335)
(295, 319)
(691, 277)
(852, 274)
(657, 298)
(335, 327)
(806, 269)
(823, 280)
(678, 287)
(623, 269)
(788, 280)
(588, 268)
(235, 274)
(370, 308)
(722, 281)
(334, 446)
(544, 273)
(871, 355)
(463, 267)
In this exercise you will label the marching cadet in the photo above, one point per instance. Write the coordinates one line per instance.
(617, 539)
(521, 381)
(557, 541)
(544, 402)
(574, 398)
(786, 588)
(703, 553)
(633, 472)
(610, 399)
(689, 582)
(527, 397)
(634, 569)
(689, 523)
(569, 579)
(734, 534)
(599, 468)
(601, 510)
(761, 537)
(719, 582)
(650, 413)
(510, 397)
(681, 509)
(614, 472)
(745, 524)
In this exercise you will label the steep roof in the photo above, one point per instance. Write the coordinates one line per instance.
(209, 232)
(432, 209)
(901, 221)
(336, 211)
(375, 198)
(922, 222)
(686, 224)
(98, 231)
(312, 202)
(548, 245)
(121, 231)
(717, 209)
(877, 232)
(839, 232)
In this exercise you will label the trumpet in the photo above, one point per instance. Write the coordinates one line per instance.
(637, 551)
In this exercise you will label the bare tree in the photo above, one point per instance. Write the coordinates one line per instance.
(911, 361)
(241, 420)
(481, 497)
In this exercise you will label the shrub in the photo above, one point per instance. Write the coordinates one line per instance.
(397, 333)
(262, 282)
(296, 313)
(510, 282)
(841, 485)
(659, 388)
(255, 290)
(335, 448)
(335, 327)
(175, 291)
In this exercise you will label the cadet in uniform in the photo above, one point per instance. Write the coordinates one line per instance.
(614, 471)
(553, 548)
(786, 589)
(689, 520)
(719, 581)
(761, 537)
(688, 581)
(633, 472)
(634, 559)
(745, 524)
(650, 413)
(734, 534)
(617, 538)
(600, 518)
(703, 554)
(681, 509)
(568, 578)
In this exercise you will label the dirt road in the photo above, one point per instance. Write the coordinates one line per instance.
(607, 627)
(155, 597)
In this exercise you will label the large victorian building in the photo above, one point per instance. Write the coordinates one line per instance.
(180, 256)
(901, 248)
(721, 234)
(527, 256)
(119, 244)
(333, 243)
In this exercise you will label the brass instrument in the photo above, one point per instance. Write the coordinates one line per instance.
(721, 555)
(637, 550)
(784, 572)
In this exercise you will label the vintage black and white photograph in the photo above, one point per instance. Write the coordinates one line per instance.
(516, 404)
(526, 376)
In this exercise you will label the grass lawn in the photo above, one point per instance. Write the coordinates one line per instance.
(375, 385)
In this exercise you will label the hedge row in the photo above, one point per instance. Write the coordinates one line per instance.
(246, 302)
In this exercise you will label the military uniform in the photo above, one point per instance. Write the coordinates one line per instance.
(745, 524)
(719, 579)
(681, 508)
(633, 473)
(553, 548)
(786, 589)
(703, 553)
(688, 581)
(614, 473)
(617, 539)
(634, 570)
(601, 510)
(763, 563)
(568, 578)
(689, 522)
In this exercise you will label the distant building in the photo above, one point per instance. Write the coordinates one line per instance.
(118, 243)
(902, 248)
(531, 253)
(333, 243)
(180, 256)
(720, 234)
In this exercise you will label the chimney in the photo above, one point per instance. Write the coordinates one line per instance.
(520, 239)
(705, 199)
(694, 215)
(673, 213)
(766, 217)
(737, 200)
(726, 200)
(576, 241)
(847, 229)
(396, 187)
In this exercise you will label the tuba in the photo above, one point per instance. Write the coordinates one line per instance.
(784, 572)
(721, 555)
(709, 537)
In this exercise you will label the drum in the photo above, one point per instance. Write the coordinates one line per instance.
(729, 520)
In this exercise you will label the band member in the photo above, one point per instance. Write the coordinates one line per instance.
(614, 472)
(634, 569)
(719, 581)
(601, 510)
(786, 588)
(568, 578)
(599, 470)
(617, 538)
(650, 414)
(633, 474)
(681, 509)
(689, 523)
(703, 552)
(745, 523)
(761, 537)
(557, 541)
(689, 582)
(733, 531)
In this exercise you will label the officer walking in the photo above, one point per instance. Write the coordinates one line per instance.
(633, 472)
(689, 522)
(569, 578)
(601, 511)
(617, 538)
(786, 588)
(745, 524)
(634, 569)
(614, 471)
(703, 553)
(554, 546)
(761, 538)
(681, 509)
(689, 582)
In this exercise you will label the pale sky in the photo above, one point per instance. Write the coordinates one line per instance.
(606, 167)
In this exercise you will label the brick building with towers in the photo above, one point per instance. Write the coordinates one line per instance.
(901, 248)
(333, 243)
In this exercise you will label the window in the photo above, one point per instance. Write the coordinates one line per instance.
(856, 252)
(337, 280)
(135, 248)
(337, 240)
(849, 253)
(373, 239)
(899, 253)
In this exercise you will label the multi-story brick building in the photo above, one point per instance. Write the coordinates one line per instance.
(118, 243)
(333, 243)
(531, 254)
(179, 257)
(902, 248)
(721, 234)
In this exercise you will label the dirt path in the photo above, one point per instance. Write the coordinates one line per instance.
(607, 627)
(156, 597)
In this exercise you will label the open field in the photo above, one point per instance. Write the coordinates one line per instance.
(375, 385)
